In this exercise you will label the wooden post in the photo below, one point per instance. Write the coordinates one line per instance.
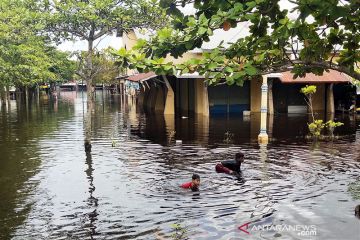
(330, 99)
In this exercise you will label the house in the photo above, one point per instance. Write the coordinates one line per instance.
(186, 95)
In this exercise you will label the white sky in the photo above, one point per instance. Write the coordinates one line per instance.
(109, 41)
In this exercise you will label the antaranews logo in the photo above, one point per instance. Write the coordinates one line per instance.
(245, 227)
(301, 230)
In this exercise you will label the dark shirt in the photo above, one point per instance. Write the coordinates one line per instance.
(232, 165)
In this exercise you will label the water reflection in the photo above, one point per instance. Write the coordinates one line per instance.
(52, 189)
(20, 130)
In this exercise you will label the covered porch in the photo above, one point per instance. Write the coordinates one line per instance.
(284, 94)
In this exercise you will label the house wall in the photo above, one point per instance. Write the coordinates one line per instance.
(129, 40)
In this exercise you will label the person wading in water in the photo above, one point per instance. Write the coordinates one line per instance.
(231, 166)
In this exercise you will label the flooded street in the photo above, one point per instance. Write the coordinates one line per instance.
(128, 187)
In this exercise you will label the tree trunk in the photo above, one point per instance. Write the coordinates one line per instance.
(88, 75)
(87, 126)
(26, 97)
(89, 90)
(7, 89)
(37, 94)
(2, 95)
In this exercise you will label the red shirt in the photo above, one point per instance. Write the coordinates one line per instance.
(186, 185)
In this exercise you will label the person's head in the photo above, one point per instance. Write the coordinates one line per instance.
(357, 211)
(195, 181)
(239, 157)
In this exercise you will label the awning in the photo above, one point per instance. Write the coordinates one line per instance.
(140, 77)
(310, 78)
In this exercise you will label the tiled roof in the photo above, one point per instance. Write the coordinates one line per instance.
(141, 77)
(327, 77)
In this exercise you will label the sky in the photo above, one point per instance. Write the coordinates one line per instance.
(109, 41)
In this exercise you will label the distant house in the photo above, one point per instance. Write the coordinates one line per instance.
(187, 94)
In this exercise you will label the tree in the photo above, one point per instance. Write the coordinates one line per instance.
(104, 68)
(92, 20)
(26, 56)
(324, 35)
(63, 66)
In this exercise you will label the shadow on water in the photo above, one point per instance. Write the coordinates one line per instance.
(127, 186)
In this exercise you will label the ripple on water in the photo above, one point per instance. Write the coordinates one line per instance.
(131, 190)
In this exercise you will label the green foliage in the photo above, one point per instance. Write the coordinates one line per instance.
(274, 36)
(94, 19)
(62, 66)
(104, 67)
(331, 125)
(179, 232)
(26, 55)
(308, 90)
(316, 127)
(354, 189)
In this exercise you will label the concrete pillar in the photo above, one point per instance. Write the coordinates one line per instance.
(319, 99)
(150, 105)
(141, 96)
(330, 105)
(263, 138)
(184, 97)
(170, 98)
(255, 95)
(159, 99)
(201, 98)
(270, 97)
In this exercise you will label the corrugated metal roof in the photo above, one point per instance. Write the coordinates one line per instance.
(327, 77)
(141, 77)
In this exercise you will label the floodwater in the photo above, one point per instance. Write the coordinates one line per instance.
(128, 186)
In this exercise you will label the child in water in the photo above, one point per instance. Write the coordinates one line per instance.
(357, 211)
(231, 166)
(194, 184)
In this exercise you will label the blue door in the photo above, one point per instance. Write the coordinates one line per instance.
(224, 99)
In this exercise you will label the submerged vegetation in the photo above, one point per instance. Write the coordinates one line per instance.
(317, 126)
(179, 232)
